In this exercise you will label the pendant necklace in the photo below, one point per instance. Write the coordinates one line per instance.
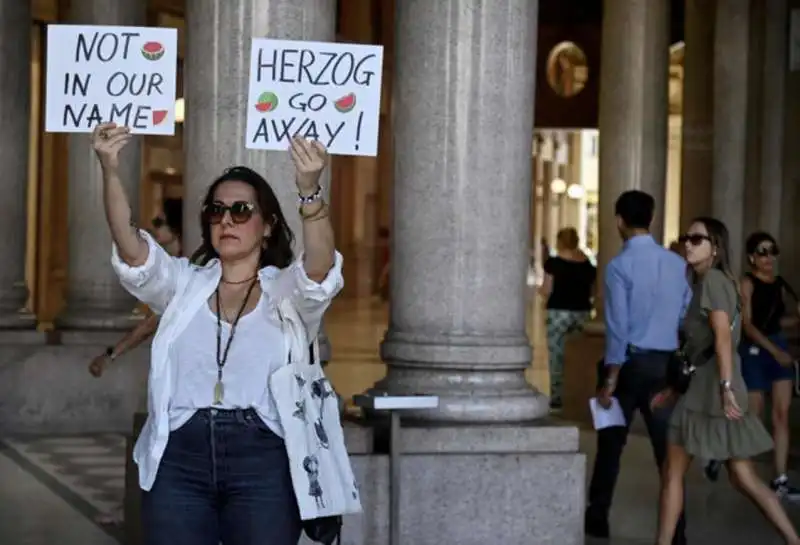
(222, 356)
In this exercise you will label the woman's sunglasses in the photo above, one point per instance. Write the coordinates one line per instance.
(240, 211)
(766, 251)
(695, 239)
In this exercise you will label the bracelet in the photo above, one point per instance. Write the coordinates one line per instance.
(306, 216)
(316, 217)
(314, 197)
(110, 353)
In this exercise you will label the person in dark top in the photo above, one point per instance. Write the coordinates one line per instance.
(568, 285)
(767, 366)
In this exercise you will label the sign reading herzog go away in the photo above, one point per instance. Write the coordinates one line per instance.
(329, 92)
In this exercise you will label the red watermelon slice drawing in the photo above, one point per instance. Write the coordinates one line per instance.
(159, 116)
(266, 102)
(346, 103)
(152, 51)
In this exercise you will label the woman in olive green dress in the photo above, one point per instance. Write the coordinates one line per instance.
(712, 420)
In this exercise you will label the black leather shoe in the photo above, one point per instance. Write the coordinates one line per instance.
(597, 527)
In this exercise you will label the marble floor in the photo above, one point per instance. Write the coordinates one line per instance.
(53, 488)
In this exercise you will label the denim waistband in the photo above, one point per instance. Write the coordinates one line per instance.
(227, 415)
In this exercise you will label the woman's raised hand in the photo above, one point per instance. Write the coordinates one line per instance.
(107, 140)
(309, 160)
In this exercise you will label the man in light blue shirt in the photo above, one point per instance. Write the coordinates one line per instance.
(646, 296)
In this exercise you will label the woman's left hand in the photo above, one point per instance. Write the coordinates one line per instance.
(309, 160)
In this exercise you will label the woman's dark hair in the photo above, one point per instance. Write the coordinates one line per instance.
(755, 240)
(720, 240)
(277, 249)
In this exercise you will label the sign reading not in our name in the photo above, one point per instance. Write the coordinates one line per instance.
(329, 92)
(111, 74)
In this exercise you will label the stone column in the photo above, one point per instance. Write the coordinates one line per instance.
(457, 324)
(773, 113)
(789, 237)
(95, 299)
(633, 113)
(698, 110)
(217, 78)
(15, 77)
(731, 44)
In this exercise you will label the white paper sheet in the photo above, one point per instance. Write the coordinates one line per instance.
(606, 418)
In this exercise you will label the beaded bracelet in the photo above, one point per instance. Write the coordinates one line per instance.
(315, 196)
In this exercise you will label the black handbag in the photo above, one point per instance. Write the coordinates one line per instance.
(680, 369)
(679, 372)
(325, 530)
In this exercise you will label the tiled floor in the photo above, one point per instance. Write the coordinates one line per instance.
(52, 488)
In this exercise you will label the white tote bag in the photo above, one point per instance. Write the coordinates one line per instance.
(309, 412)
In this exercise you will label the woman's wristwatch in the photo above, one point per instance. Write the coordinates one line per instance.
(110, 353)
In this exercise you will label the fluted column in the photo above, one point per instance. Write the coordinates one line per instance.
(95, 299)
(633, 113)
(698, 110)
(15, 77)
(219, 34)
(731, 43)
(462, 198)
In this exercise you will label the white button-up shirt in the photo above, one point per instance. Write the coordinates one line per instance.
(177, 290)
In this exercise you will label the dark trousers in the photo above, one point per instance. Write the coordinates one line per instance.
(224, 478)
(642, 376)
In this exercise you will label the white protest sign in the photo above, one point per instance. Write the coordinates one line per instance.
(103, 74)
(329, 92)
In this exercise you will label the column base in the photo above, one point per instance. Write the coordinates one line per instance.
(104, 320)
(46, 388)
(21, 319)
(450, 473)
(477, 379)
(467, 396)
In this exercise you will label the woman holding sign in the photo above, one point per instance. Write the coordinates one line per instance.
(242, 445)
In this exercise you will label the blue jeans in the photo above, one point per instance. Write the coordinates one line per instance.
(760, 370)
(224, 478)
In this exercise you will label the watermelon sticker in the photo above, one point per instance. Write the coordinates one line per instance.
(159, 116)
(267, 102)
(346, 103)
(152, 51)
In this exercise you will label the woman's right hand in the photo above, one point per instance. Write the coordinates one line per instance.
(730, 406)
(107, 140)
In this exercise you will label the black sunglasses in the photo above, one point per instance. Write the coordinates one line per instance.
(241, 212)
(695, 239)
(765, 251)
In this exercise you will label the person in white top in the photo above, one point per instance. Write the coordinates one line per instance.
(213, 462)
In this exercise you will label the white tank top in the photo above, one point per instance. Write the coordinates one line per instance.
(256, 351)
